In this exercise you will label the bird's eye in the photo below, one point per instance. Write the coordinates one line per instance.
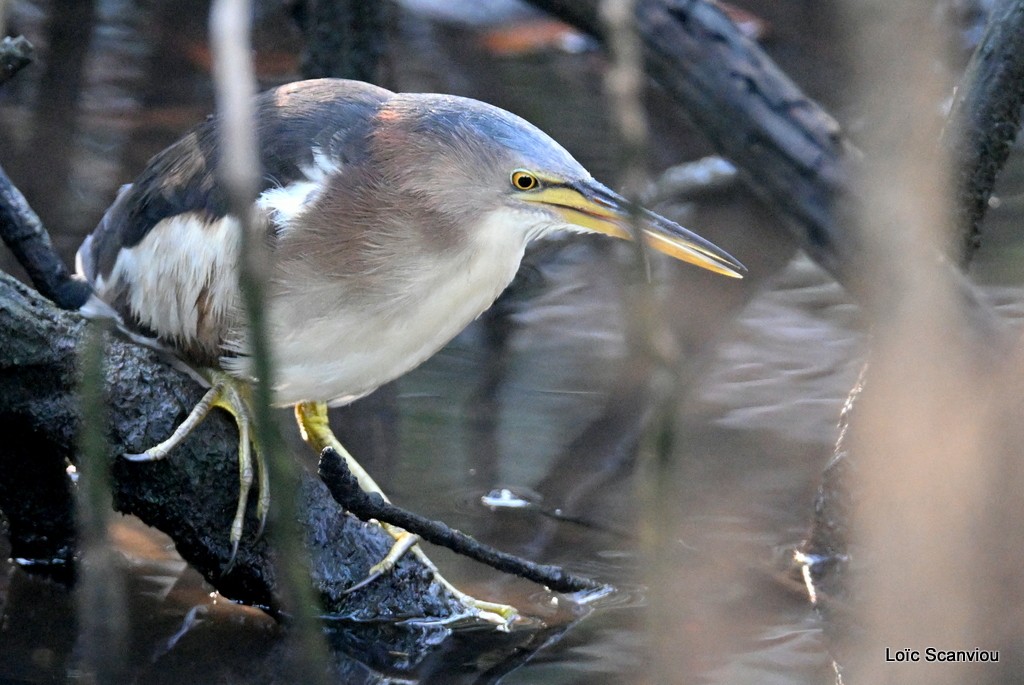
(524, 180)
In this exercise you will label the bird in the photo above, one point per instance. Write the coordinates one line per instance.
(393, 221)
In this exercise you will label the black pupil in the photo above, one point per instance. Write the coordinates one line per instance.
(525, 182)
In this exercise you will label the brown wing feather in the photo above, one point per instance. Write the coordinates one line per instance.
(162, 258)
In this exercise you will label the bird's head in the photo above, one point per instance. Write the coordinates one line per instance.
(481, 159)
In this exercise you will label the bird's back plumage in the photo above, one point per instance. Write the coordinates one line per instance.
(162, 257)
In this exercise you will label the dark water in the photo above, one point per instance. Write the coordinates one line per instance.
(537, 397)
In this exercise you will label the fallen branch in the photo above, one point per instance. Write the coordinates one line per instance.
(788, 149)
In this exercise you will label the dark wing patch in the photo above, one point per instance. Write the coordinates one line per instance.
(331, 115)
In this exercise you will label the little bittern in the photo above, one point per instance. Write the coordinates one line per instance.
(394, 220)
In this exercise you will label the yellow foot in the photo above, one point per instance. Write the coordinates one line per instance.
(502, 615)
(233, 396)
(404, 540)
(316, 431)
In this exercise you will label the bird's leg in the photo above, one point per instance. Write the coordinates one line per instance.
(236, 399)
(244, 483)
(316, 431)
(233, 396)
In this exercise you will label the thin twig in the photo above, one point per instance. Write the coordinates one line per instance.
(346, 491)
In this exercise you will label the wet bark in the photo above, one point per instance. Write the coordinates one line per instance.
(191, 495)
(985, 118)
(24, 235)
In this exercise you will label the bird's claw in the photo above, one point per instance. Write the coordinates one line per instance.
(403, 543)
(371, 576)
(231, 559)
(232, 396)
(503, 615)
(140, 456)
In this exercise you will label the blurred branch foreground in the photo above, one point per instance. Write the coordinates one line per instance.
(921, 509)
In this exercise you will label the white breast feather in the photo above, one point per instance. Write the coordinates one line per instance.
(325, 350)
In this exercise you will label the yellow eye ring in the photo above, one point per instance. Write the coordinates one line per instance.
(524, 180)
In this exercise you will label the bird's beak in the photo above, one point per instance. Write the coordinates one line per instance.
(591, 206)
